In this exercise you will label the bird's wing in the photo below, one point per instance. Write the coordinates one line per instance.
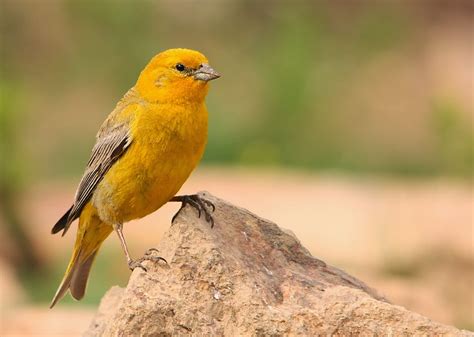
(112, 143)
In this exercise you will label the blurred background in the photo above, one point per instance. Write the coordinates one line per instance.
(349, 123)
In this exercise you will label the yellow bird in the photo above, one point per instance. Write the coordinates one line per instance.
(145, 150)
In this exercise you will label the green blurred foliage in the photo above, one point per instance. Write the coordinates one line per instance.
(453, 137)
(11, 163)
(287, 67)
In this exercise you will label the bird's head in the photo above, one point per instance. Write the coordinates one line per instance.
(176, 75)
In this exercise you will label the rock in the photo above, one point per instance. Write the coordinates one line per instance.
(247, 277)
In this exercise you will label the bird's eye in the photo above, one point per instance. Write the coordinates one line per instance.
(180, 67)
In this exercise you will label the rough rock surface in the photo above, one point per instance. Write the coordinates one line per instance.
(247, 277)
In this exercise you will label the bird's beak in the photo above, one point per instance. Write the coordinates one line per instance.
(206, 73)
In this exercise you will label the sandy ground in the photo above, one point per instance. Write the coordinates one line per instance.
(378, 229)
(41, 322)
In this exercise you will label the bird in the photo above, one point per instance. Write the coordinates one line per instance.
(144, 152)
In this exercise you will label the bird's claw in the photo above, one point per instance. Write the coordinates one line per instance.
(197, 202)
(210, 204)
(151, 250)
(132, 264)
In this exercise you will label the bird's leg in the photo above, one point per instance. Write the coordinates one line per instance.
(132, 264)
(202, 205)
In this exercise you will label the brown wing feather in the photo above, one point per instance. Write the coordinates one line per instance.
(111, 144)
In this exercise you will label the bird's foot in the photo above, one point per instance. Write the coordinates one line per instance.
(202, 205)
(132, 264)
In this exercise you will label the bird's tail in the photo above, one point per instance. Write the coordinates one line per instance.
(90, 235)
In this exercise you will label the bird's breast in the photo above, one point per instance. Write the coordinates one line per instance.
(167, 144)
